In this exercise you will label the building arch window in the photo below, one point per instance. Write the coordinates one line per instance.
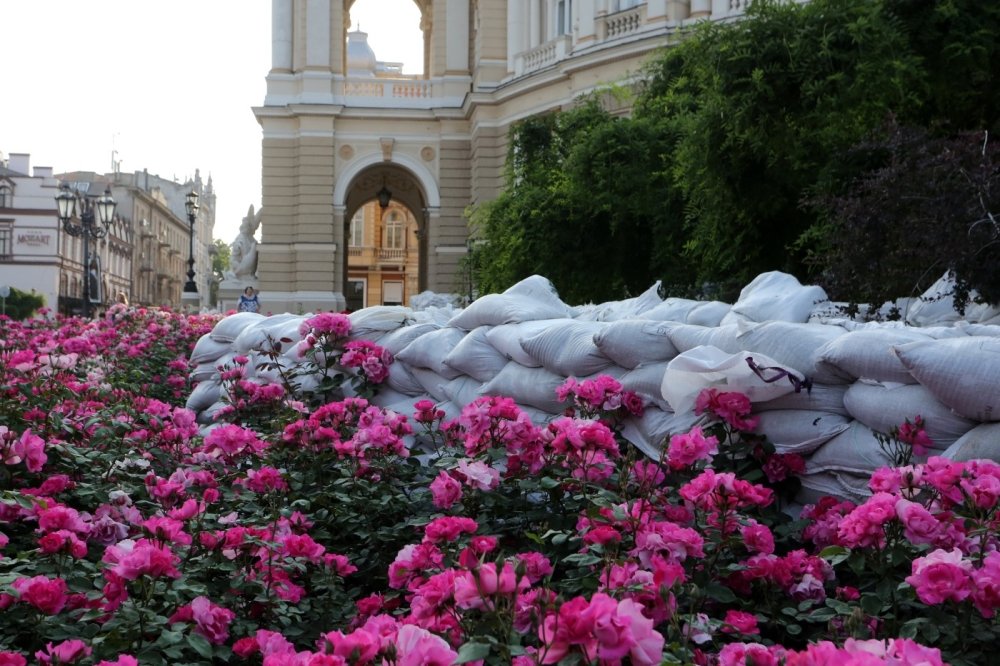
(394, 238)
(6, 195)
(357, 238)
(6, 241)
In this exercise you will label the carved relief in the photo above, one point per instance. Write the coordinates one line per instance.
(346, 152)
(427, 153)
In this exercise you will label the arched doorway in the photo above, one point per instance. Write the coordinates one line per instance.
(385, 236)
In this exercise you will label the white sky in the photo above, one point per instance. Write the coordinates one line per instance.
(168, 84)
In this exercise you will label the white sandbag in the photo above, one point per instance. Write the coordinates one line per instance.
(982, 442)
(463, 390)
(476, 357)
(646, 380)
(856, 450)
(207, 415)
(629, 342)
(397, 340)
(936, 306)
(210, 369)
(672, 309)
(843, 486)
(615, 310)
(203, 396)
(430, 349)
(882, 407)
(404, 406)
(507, 339)
(708, 367)
(800, 431)
(496, 309)
(229, 327)
(373, 322)
(401, 379)
(567, 348)
(795, 345)
(988, 330)
(820, 398)
(535, 387)
(775, 296)
(963, 373)
(688, 336)
(432, 382)
(868, 353)
(652, 431)
(710, 313)
(267, 333)
(208, 349)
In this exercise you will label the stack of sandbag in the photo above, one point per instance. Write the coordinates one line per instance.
(820, 386)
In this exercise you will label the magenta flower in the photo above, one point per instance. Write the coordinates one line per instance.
(445, 490)
(687, 449)
(48, 595)
(419, 647)
(941, 576)
(66, 652)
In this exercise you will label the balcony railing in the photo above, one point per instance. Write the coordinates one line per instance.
(390, 254)
(401, 88)
(623, 23)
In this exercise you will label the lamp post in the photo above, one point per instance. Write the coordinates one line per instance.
(191, 205)
(87, 227)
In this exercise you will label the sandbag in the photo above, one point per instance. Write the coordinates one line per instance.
(229, 327)
(820, 398)
(430, 349)
(401, 379)
(208, 349)
(646, 380)
(535, 387)
(840, 485)
(775, 296)
(856, 450)
(795, 345)
(530, 299)
(652, 431)
(476, 357)
(868, 353)
(432, 383)
(982, 442)
(203, 396)
(710, 313)
(988, 330)
(800, 431)
(373, 322)
(567, 348)
(963, 373)
(397, 340)
(462, 391)
(672, 309)
(630, 307)
(507, 339)
(630, 342)
(881, 407)
(936, 306)
(688, 336)
(708, 367)
(210, 369)
(267, 333)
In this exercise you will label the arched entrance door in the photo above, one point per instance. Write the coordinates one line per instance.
(385, 235)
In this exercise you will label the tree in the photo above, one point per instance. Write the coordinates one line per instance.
(221, 254)
(22, 305)
(928, 208)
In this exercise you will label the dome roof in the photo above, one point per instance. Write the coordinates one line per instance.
(360, 57)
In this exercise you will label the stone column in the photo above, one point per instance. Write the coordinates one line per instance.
(281, 35)
(517, 30)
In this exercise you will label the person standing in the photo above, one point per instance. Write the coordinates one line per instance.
(249, 302)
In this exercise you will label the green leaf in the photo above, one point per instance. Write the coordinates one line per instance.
(835, 554)
(720, 593)
(200, 645)
(871, 604)
(472, 652)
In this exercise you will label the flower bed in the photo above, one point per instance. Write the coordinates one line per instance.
(306, 529)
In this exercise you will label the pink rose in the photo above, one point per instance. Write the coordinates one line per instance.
(941, 576)
(46, 594)
(445, 490)
(686, 449)
(212, 621)
(64, 653)
(419, 647)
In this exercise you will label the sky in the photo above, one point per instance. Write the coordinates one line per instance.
(164, 85)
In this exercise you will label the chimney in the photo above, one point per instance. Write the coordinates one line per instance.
(20, 162)
(42, 172)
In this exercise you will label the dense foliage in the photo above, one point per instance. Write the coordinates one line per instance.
(292, 532)
(21, 304)
(703, 186)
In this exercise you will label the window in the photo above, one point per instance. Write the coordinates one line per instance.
(6, 241)
(6, 196)
(564, 13)
(392, 292)
(394, 231)
(356, 288)
(357, 238)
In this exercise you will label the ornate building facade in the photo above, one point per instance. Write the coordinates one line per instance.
(339, 131)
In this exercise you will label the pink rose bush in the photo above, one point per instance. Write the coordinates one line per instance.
(306, 525)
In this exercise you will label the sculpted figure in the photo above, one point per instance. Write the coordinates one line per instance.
(243, 255)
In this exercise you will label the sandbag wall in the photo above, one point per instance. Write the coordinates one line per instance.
(866, 376)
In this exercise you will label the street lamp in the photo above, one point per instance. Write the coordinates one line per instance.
(66, 202)
(191, 205)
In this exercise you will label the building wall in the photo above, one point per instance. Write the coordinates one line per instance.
(440, 140)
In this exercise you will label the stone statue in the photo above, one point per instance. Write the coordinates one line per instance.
(243, 254)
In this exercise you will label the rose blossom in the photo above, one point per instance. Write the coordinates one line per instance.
(941, 576)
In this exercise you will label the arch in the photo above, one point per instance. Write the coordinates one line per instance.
(424, 178)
